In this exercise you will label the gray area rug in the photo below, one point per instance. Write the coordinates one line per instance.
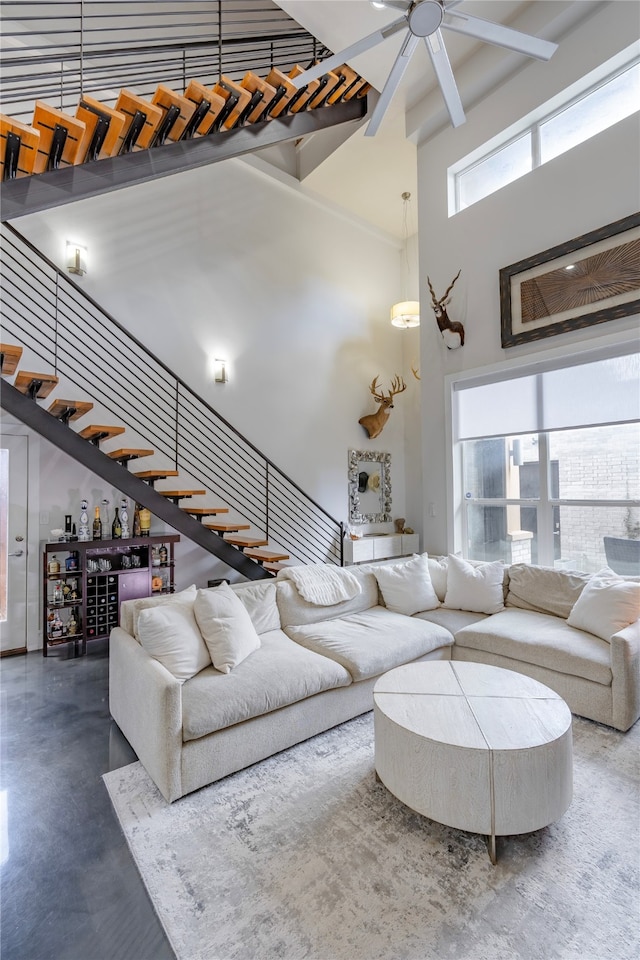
(305, 855)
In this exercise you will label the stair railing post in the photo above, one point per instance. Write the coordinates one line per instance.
(55, 328)
(220, 41)
(266, 502)
(81, 49)
(176, 431)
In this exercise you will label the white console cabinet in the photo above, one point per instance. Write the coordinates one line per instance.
(380, 547)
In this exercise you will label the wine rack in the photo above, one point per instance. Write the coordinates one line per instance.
(85, 582)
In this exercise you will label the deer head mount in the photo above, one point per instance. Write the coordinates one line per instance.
(452, 331)
(374, 422)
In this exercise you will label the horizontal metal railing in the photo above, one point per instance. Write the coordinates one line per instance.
(45, 312)
(61, 51)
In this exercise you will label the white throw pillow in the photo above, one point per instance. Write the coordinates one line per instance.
(605, 606)
(226, 626)
(438, 574)
(169, 633)
(474, 588)
(406, 587)
(184, 598)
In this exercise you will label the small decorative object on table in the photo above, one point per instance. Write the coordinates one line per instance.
(399, 525)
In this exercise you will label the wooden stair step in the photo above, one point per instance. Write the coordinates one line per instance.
(10, 355)
(176, 495)
(150, 476)
(266, 556)
(207, 105)
(18, 148)
(274, 567)
(200, 512)
(60, 138)
(236, 99)
(67, 410)
(177, 112)
(35, 385)
(103, 126)
(242, 541)
(95, 433)
(227, 527)
(129, 453)
(142, 120)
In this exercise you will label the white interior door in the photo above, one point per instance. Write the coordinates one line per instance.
(13, 543)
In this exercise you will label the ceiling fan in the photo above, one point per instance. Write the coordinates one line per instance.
(423, 19)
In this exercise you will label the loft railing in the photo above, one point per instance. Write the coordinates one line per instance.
(61, 51)
(45, 312)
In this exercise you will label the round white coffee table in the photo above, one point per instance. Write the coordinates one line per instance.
(474, 747)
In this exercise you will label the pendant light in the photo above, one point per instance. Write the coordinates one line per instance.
(406, 313)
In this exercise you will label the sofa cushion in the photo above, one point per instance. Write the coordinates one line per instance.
(406, 587)
(451, 620)
(371, 642)
(540, 639)
(544, 589)
(170, 634)
(225, 626)
(606, 605)
(259, 597)
(280, 672)
(438, 574)
(474, 587)
(295, 610)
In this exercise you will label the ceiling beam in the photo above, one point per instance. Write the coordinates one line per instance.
(53, 189)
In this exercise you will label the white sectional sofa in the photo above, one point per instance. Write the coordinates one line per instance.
(297, 667)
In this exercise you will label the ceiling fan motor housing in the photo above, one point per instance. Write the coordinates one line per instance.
(425, 16)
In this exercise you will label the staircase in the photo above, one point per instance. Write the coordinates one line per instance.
(201, 456)
(128, 136)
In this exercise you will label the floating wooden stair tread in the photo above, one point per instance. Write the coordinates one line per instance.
(266, 556)
(142, 120)
(199, 512)
(207, 105)
(242, 542)
(35, 385)
(177, 112)
(274, 567)
(96, 432)
(176, 495)
(152, 475)
(18, 148)
(60, 137)
(103, 128)
(227, 527)
(10, 355)
(67, 410)
(129, 453)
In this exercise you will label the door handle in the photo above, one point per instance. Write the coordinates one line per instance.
(18, 553)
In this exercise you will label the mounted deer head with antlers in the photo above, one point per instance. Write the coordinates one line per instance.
(374, 422)
(452, 331)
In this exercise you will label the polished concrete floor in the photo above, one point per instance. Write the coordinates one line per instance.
(70, 889)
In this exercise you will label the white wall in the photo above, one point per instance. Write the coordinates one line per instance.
(227, 261)
(592, 185)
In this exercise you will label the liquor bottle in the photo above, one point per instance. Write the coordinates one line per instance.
(83, 529)
(97, 525)
(163, 555)
(136, 521)
(58, 595)
(54, 566)
(72, 625)
(145, 522)
(124, 519)
(67, 526)
(116, 526)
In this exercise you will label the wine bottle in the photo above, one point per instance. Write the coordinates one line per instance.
(136, 521)
(116, 526)
(97, 525)
(124, 519)
(163, 556)
(145, 522)
(83, 530)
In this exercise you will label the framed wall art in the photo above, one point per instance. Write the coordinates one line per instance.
(587, 280)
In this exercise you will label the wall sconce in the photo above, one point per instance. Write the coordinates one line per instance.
(220, 371)
(76, 258)
(407, 312)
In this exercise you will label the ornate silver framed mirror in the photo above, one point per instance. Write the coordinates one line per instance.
(369, 487)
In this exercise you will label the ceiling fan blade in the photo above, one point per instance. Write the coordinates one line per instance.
(393, 80)
(497, 34)
(372, 40)
(440, 60)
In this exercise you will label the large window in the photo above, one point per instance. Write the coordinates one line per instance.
(550, 463)
(546, 134)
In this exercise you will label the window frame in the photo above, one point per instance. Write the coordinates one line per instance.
(532, 123)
